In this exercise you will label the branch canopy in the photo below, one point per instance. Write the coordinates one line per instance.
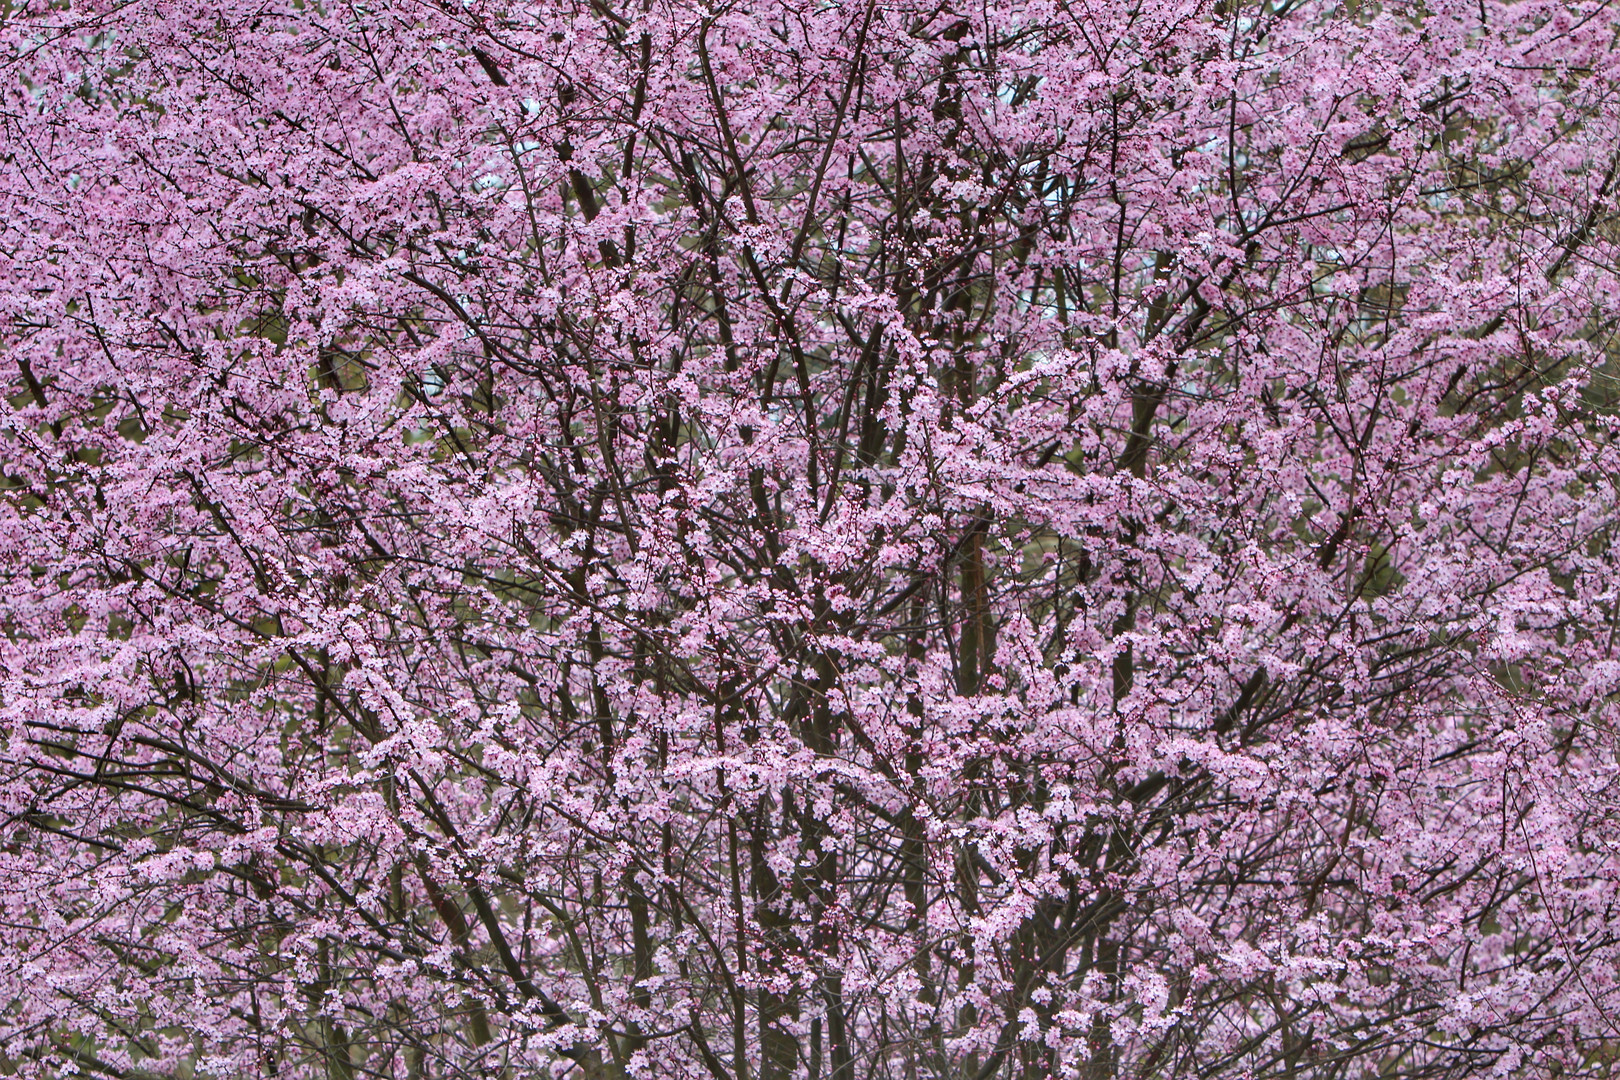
(825, 539)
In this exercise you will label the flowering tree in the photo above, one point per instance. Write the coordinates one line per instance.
(809, 538)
